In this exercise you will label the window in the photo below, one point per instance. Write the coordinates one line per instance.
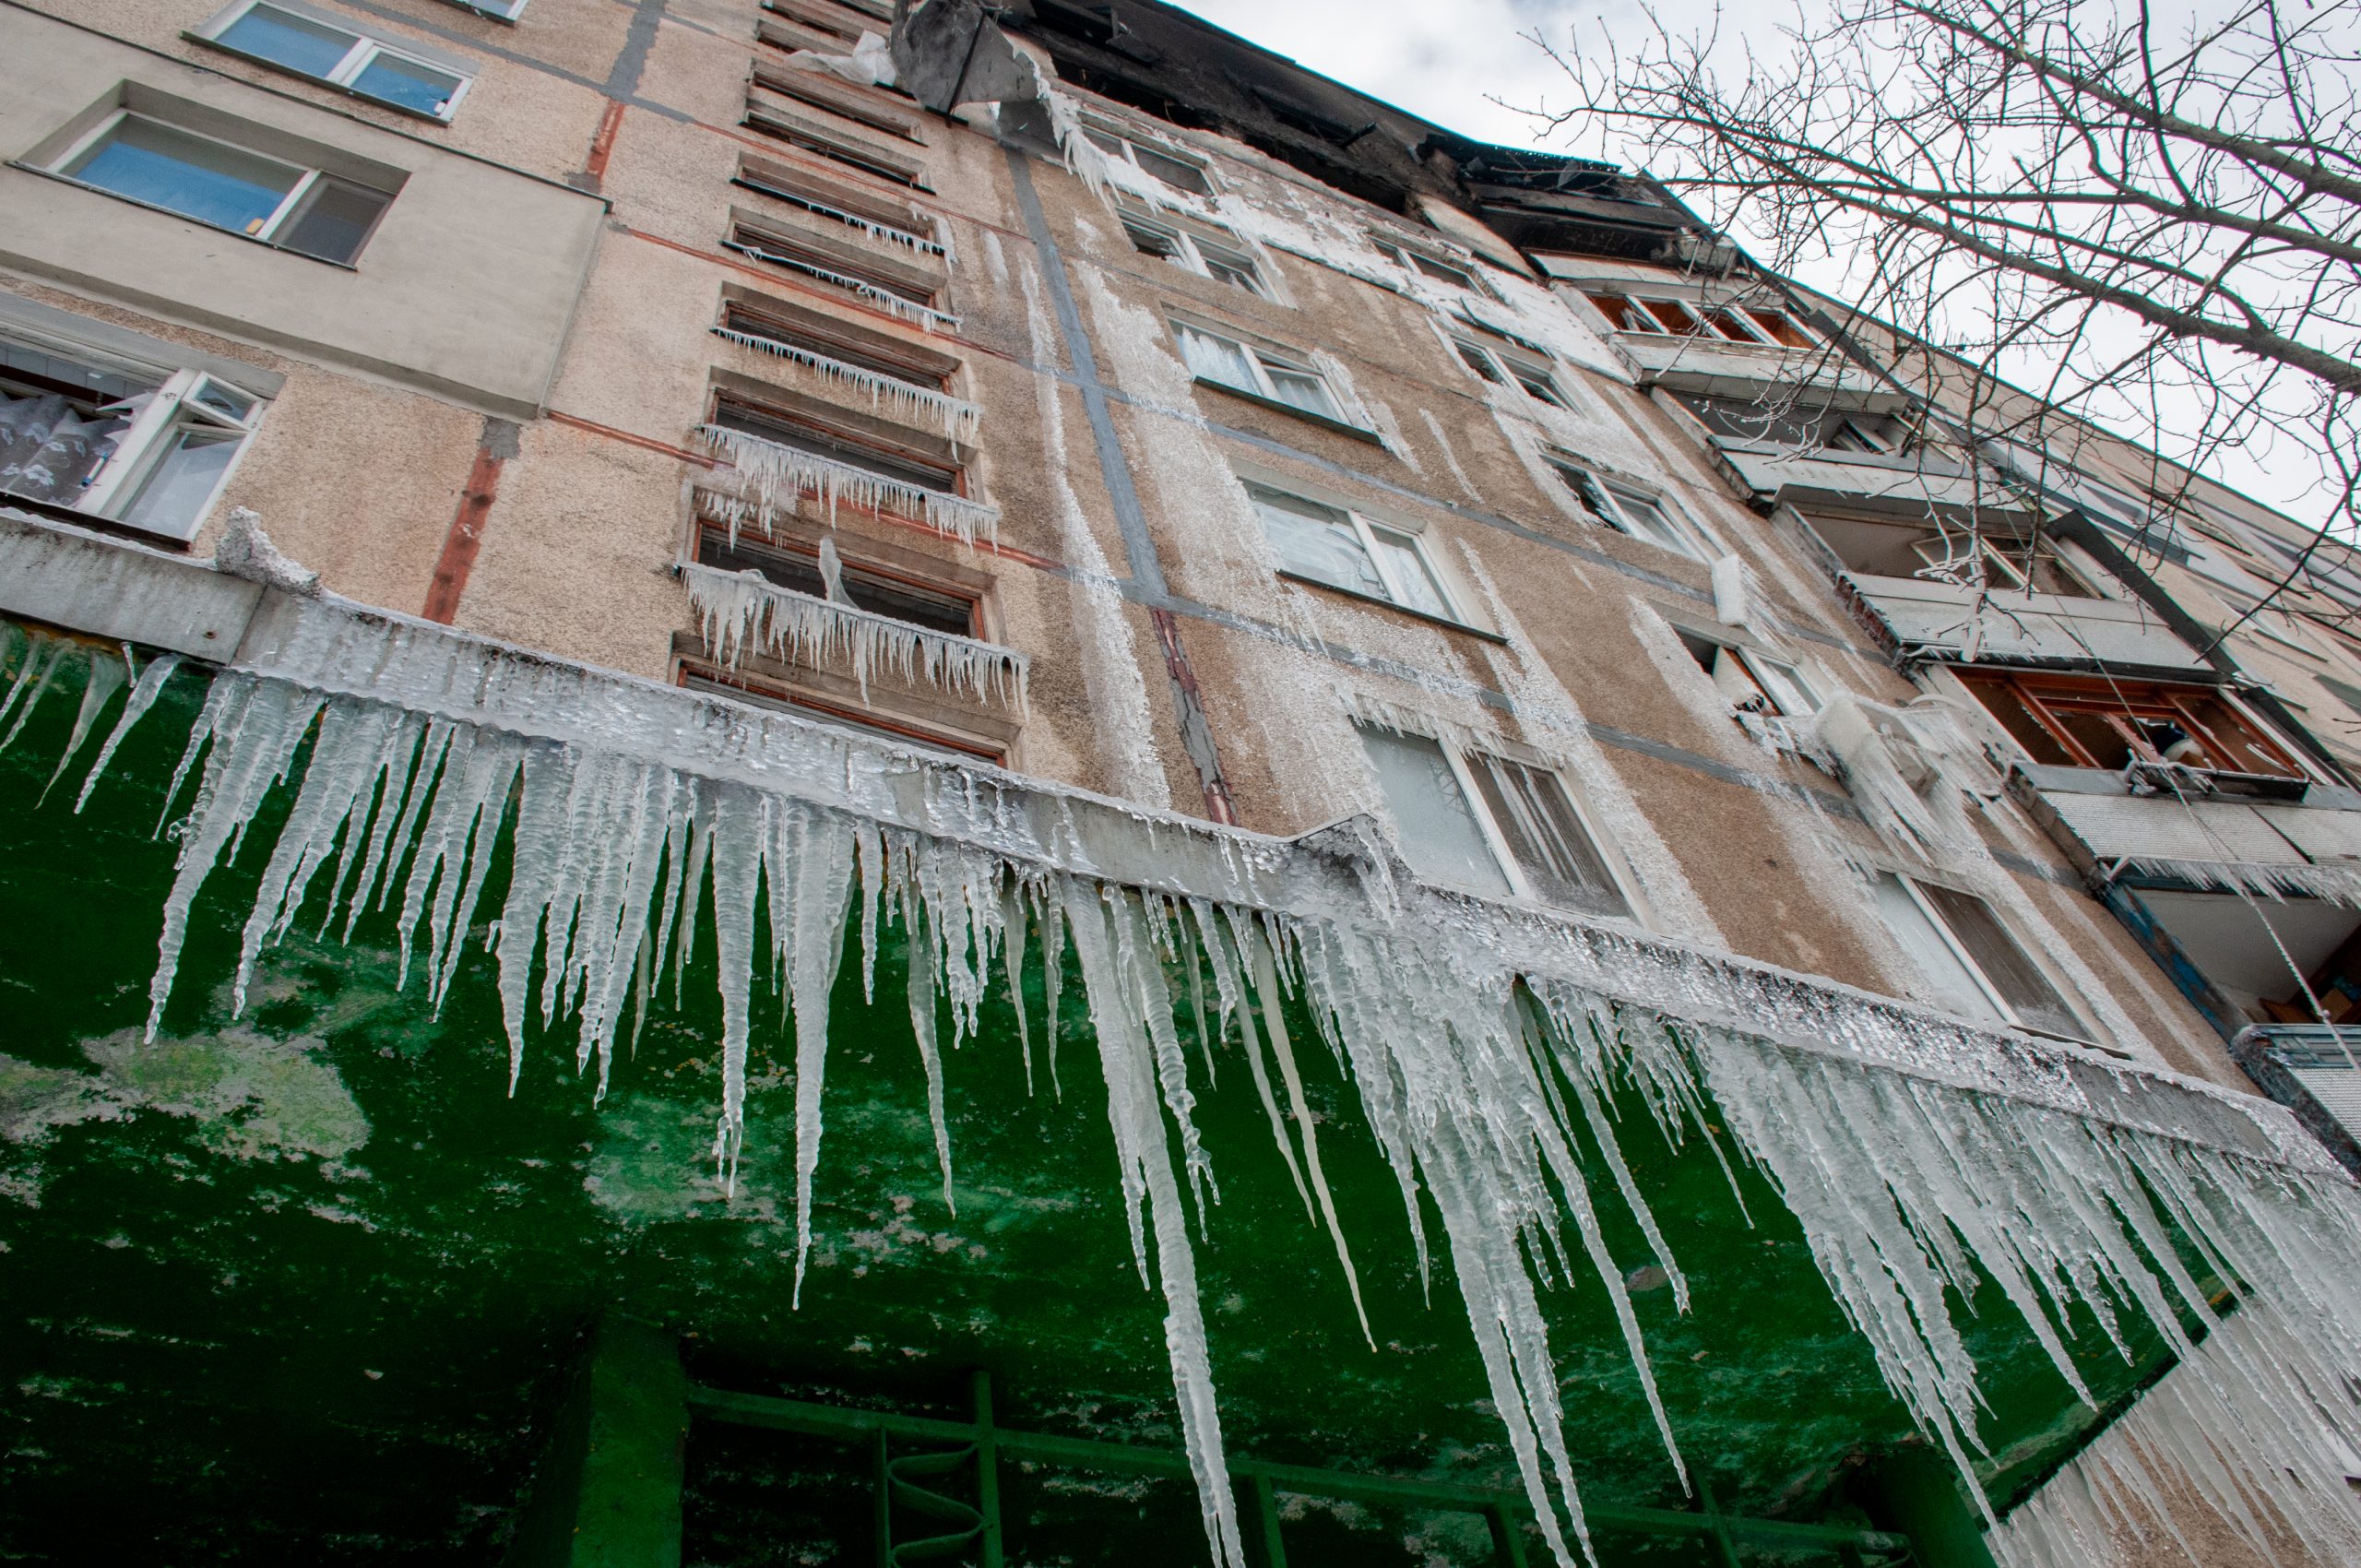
(1626, 509)
(2030, 565)
(819, 18)
(756, 694)
(1342, 549)
(818, 90)
(2083, 721)
(228, 188)
(1501, 367)
(1781, 418)
(1185, 174)
(898, 296)
(498, 10)
(780, 428)
(1694, 318)
(147, 449)
(800, 133)
(1487, 822)
(804, 335)
(1420, 262)
(1207, 249)
(311, 45)
(1261, 372)
(1968, 960)
(877, 216)
(1754, 681)
(878, 591)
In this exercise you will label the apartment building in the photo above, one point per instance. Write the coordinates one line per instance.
(1800, 873)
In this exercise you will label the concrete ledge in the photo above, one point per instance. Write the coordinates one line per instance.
(105, 587)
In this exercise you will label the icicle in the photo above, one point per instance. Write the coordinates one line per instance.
(104, 678)
(783, 475)
(900, 307)
(1266, 984)
(739, 612)
(832, 571)
(34, 676)
(902, 401)
(869, 226)
(144, 692)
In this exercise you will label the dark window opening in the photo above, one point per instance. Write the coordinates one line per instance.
(785, 430)
(879, 592)
(836, 151)
(2096, 722)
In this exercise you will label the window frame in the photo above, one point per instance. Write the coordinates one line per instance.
(310, 178)
(1507, 370)
(1701, 319)
(1439, 269)
(1496, 841)
(1590, 487)
(1753, 661)
(1098, 132)
(363, 52)
(506, 11)
(1364, 531)
(2041, 695)
(1190, 246)
(141, 448)
(1254, 355)
(774, 696)
(1914, 886)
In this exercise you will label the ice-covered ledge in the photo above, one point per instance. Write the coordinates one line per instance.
(102, 587)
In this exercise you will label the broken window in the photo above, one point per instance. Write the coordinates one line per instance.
(1182, 173)
(899, 296)
(1413, 259)
(782, 429)
(895, 594)
(1781, 418)
(818, 16)
(1753, 680)
(1968, 960)
(896, 223)
(897, 381)
(1501, 368)
(1626, 509)
(1206, 249)
(802, 133)
(1490, 824)
(805, 705)
(144, 446)
(1343, 549)
(1996, 560)
(215, 183)
(1693, 318)
(2098, 721)
(819, 90)
(308, 45)
(1251, 368)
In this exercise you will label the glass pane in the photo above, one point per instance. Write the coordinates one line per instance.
(1149, 239)
(1229, 266)
(1785, 683)
(1438, 829)
(214, 183)
(1530, 807)
(1477, 361)
(1300, 389)
(173, 498)
(1950, 984)
(284, 39)
(334, 220)
(1407, 566)
(1171, 170)
(48, 449)
(1647, 520)
(1317, 541)
(2017, 979)
(1216, 359)
(407, 83)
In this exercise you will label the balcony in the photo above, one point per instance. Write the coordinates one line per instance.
(1930, 620)
(1913, 485)
(1718, 368)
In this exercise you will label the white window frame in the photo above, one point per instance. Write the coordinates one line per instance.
(1616, 494)
(1999, 569)
(1758, 663)
(1496, 842)
(1129, 146)
(266, 230)
(1365, 530)
(1258, 359)
(1189, 247)
(1427, 264)
(366, 49)
(177, 407)
(1510, 369)
(498, 10)
(1703, 315)
(1911, 885)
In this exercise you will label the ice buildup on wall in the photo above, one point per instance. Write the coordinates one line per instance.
(1920, 1154)
(778, 476)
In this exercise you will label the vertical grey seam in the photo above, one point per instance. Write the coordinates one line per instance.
(1114, 469)
(638, 39)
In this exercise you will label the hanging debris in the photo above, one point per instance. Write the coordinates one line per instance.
(739, 612)
(781, 476)
(1920, 1154)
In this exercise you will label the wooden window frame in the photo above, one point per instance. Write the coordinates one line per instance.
(852, 442)
(776, 696)
(863, 351)
(856, 567)
(2045, 697)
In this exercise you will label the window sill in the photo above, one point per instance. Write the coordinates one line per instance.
(152, 207)
(354, 93)
(1443, 620)
(1322, 420)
